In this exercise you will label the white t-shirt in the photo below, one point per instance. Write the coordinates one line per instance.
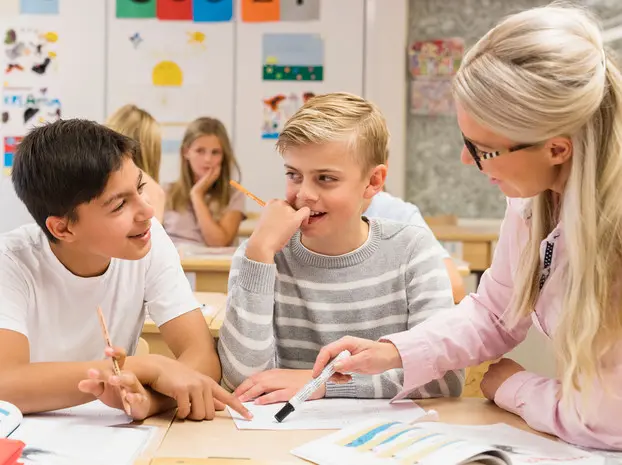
(57, 310)
(384, 205)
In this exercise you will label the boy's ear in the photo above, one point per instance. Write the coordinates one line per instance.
(60, 227)
(377, 177)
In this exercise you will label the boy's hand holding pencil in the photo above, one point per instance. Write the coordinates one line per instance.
(120, 390)
(277, 224)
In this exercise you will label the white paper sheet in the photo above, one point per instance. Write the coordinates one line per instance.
(328, 414)
(93, 413)
(52, 442)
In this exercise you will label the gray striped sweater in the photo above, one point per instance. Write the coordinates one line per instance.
(280, 315)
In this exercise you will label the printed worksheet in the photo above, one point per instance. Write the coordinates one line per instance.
(329, 414)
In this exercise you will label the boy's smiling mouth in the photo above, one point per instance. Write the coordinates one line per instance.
(316, 216)
(146, 234)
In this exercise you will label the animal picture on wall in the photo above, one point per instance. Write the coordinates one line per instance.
(277, 109)
(30, 57)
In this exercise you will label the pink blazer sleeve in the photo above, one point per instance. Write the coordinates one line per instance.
(593, 421)
(473, 332)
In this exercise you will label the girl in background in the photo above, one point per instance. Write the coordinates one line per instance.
(201, 207)
(138, 124)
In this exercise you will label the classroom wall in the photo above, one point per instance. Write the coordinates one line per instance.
(433, 143)
(92, 67)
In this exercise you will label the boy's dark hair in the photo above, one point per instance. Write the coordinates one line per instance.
(64, 164)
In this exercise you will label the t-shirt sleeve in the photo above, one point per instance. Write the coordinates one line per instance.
(13, 296)
(167, 290)
(236, 202)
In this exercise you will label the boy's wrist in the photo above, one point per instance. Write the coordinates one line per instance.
(147, 368)
(259, 253)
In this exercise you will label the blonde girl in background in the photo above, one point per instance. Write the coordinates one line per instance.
(539, 104)
(138, 124)
(201, 207)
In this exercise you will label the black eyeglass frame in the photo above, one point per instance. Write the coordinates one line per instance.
(479, 155)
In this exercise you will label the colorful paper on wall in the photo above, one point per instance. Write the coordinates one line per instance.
(174, 9)
(38, 7)
(431, 97)
(432, 66)
(10, 145)
(212, 10)
(23, 109)
(277, 109)
(30, 57)
(436, 57)
(293, 57)
(260, 10)
(136, 8)
(300, 10)
(9, 8)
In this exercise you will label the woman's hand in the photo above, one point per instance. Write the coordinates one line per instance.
(368, 358)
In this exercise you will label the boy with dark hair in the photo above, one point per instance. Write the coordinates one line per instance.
(96, 245)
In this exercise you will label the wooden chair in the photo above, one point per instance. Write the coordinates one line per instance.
(473, 378)
(143, 347)
(441, 220)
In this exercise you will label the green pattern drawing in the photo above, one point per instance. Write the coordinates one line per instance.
(293, 73)
(136, 8)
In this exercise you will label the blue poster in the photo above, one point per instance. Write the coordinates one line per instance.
(39, 7)
(212, 10)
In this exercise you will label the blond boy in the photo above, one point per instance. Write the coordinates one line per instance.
(315, 269)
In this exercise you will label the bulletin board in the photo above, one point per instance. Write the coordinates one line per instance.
(175, 59)
(250, 64)
(283, 58)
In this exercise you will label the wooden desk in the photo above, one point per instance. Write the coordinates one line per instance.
(221, 441)
(152, 335)
(477, 241)
(210, 274)
(463, 267)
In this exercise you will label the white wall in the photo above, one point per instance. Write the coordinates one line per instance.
(81, 28)
(365, 55)
(386, 33)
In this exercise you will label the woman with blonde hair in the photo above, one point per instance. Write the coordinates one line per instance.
(138, 124)
(539, 104)
(201, 207)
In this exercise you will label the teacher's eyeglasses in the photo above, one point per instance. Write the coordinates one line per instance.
(479, 155)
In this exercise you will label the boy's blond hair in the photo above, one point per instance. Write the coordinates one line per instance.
(336, 117)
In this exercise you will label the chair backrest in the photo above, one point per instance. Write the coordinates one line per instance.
(143, 347)
(441, 220)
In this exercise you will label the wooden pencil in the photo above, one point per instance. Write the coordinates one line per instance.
(242, 189)
(115, 364)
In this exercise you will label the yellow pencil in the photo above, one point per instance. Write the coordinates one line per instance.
(242, 189)
(115, 364)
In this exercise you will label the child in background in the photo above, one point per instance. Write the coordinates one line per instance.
(136, 123)
(201, 207)
(314, 269)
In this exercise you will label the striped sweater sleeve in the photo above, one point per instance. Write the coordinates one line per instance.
(428, 292)
(247, 345)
